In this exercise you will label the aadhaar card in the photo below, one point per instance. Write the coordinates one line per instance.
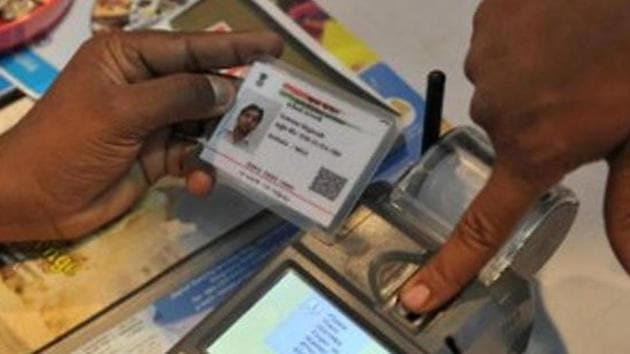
(305, 150)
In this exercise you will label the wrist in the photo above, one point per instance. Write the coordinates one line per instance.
(20, 217)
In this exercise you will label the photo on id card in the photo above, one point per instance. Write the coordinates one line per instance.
(303, 150)
(254, 114)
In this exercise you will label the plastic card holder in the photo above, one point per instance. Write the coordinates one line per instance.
(434, 195)
(302, 148)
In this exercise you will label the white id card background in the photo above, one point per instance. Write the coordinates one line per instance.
(305, 151)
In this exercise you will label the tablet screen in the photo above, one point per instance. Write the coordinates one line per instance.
(293, 317)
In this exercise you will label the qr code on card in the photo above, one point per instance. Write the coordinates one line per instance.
(328, 184)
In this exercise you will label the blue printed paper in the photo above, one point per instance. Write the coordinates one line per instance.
(28, 71)
(399, 94)
(34, 68)
(5, 86)
(211, 288)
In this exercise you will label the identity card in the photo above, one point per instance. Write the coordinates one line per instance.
(304, 149)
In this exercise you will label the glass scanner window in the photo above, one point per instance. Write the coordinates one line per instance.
(294, 318)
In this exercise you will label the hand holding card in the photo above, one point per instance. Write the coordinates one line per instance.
(90, 161)
(305, 150)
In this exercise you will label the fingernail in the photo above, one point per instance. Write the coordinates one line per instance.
(416, 297)
(190, 149)
(223, 90)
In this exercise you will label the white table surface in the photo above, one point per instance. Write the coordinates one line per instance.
(585, 292)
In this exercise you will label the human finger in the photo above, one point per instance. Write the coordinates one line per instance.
(482, 230)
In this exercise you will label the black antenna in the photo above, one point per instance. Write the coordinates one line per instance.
(436, 82)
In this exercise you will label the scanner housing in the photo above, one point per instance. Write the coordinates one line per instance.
(394, 232)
